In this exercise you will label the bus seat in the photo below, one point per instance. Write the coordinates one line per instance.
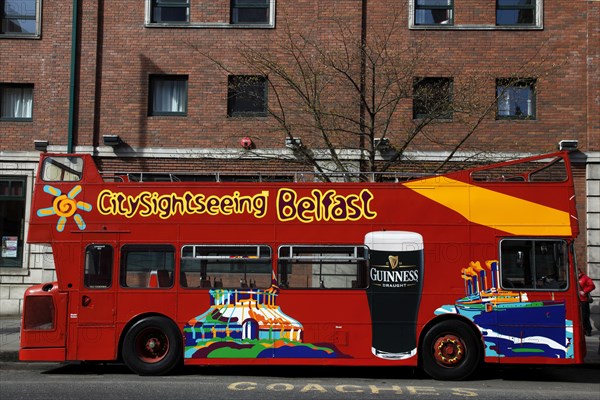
(153, 282)
(164, 278)
(183, 282)
(205, 283)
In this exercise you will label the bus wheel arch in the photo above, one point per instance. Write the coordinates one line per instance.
(451, 348)
(151, 344)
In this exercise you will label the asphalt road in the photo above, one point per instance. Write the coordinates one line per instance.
(106, 382)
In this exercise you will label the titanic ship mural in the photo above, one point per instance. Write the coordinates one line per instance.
(511, 324)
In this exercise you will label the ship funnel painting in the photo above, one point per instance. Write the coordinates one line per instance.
(544, 332)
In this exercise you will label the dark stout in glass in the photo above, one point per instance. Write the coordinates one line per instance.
(394, 293)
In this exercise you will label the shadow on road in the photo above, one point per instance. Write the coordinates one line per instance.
(581, 373)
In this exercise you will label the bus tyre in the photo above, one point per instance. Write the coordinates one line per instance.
(450, 351)
(152, 346)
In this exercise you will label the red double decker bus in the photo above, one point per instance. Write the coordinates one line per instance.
(443, 272)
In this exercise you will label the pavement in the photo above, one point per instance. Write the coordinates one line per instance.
(10, 332)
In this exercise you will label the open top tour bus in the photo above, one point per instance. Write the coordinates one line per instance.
(443, 272)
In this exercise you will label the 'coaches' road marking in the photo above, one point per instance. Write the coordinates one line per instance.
(372, 389)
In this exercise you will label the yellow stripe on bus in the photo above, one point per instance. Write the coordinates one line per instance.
(493, 209)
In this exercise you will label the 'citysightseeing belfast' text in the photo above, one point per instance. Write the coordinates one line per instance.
(320, 205)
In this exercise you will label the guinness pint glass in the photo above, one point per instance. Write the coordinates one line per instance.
(395, 283)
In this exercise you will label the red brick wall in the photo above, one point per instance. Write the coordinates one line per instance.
(45, 63)
(118, 55)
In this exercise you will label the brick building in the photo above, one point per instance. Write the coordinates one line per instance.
(197, 86)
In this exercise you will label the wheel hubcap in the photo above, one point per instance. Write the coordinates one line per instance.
(152, 345)
(449, 350)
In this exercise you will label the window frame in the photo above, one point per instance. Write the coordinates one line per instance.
(225, 20)
(71, 167)
(152, 80)
(290, 254)
(148, 248)
(28, 35)
(160, 4)
(474, 25)
(235, 259)
(534, 267)
(234, 11)
(431, 7)
(22, 86)
(233, 95)
(509, 83)
(418, 103)
(516, 7)
(20, 197)
(88, 279)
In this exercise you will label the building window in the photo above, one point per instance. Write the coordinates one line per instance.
(516, 98)
(12, 220)
(168, 95)
(170, 11)
(16, 101)
(516, 12)
(250, 11)
(18, 17)
(434, 12)
(432, 98)
(246, 96)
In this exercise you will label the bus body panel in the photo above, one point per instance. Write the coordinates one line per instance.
(463, 220)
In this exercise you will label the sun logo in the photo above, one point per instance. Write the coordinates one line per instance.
(65, 206)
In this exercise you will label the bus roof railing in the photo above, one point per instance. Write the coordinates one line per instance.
(295, 176)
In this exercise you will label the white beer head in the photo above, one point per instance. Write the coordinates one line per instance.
(394, 241)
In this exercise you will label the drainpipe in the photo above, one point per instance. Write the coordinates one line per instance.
(74, 40)
(363, 88)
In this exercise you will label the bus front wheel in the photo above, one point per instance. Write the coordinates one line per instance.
(152, 346)
(450, 351)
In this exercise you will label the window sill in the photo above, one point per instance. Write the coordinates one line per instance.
(512, 119)
(20, 36)
(208, 25)
(16, 119)
(173, 115)
(247, 116)
(477, 27)
(13, 271)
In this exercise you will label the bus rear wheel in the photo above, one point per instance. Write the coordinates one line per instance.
(152, 346)
(450, 351)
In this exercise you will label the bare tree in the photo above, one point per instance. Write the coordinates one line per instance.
(346, 97)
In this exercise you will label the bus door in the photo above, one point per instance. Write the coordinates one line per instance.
(532, 314)
(95, 304)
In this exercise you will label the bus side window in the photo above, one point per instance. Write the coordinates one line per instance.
(193, 274)
(323, 267)
(225, 266)
(62, 169)
(147, 266)
(98, 266)
(534, 264)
